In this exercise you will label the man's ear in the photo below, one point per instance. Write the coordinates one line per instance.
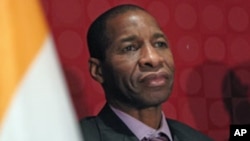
(95, 69)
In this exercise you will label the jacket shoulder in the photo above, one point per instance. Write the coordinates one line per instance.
(88, 121)
(89, 129)
(186, 132)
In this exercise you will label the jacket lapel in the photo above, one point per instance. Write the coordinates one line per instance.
(175, 138)
(112, 128)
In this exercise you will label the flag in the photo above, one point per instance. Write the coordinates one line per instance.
(34, 103)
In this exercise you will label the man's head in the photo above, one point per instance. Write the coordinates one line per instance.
(97, 36)
(131, 57)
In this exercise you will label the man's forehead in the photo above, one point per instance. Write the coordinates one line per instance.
(133, 37)
(135, 17)
(131, 14)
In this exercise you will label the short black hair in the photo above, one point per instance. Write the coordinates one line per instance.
(97, 37)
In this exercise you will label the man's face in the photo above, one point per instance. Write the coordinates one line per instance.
(138, 69)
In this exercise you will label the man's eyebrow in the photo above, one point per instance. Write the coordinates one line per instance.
(129, 38)
(159, 35)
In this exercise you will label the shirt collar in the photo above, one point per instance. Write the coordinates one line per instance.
(144, 131)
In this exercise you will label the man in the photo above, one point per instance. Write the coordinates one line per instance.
(131, 59)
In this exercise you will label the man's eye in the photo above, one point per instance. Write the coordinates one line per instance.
(129, 48)
(161, 44)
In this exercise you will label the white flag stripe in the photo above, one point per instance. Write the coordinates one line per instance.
(41, 109)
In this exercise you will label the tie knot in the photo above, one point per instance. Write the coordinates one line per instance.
(160, 137)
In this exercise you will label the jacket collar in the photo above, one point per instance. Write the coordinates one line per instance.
(112, 128)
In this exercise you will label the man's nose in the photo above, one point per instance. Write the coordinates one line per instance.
(150, 57)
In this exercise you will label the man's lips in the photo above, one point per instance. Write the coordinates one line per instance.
(154, 79)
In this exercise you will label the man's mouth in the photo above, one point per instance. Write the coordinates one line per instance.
(154, 79)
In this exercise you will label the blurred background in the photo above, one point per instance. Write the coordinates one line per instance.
(210, 40)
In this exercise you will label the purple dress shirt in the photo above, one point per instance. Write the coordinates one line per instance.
(140, 129)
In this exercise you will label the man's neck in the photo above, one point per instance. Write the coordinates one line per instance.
(150, 116)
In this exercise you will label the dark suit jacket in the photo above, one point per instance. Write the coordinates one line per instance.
(108, 127)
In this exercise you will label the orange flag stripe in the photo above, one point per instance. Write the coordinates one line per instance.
(22, 32)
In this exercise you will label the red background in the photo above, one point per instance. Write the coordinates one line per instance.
(210, 40)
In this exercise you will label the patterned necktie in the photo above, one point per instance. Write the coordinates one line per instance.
(161, 137)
